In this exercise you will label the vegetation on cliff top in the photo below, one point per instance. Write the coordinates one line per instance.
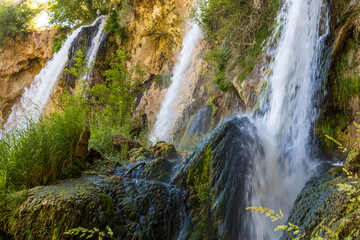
(235, 30)
(14, 19)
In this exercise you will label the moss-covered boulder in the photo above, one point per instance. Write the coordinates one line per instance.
(216, 177)
(163, 149)
(159, 169)
(328, 207)
(140, 154)
(132, 209)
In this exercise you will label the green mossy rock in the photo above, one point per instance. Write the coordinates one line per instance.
(163, 149)
(140, 154)
(158, 169)
(215, 175)
(325, 203)
(352, 163)
(133, 209)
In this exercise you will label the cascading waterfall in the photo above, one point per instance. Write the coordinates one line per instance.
(287, 115)
(168, 115)
(94, 48)
(35, 98)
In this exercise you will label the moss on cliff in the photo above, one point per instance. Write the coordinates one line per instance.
(236, 31)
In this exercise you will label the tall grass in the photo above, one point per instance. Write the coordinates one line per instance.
(44, 151)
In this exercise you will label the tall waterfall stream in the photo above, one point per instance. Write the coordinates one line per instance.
(35, 98)
(168, 115)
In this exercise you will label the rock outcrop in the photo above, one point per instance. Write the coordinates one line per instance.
(133, 209)
(216, 177)
(328, 207)
(21, 59)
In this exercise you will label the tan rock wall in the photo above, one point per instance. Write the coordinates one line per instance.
(21, 60)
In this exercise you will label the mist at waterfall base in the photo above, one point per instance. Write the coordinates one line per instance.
(35, 98)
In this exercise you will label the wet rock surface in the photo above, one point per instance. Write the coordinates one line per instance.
(325, 208)
(216, 176)
(132, 208)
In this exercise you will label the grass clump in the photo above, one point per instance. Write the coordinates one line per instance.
(44, 151)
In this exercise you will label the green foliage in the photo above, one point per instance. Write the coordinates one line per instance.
(44, 151)
(115, 102)
(347, 82)
(59, 40)
(75, 12)
(330, 127)
(218, 57)
(241, 26)
(113, 26)
(80, 65)
(14, 19)
(83, 233)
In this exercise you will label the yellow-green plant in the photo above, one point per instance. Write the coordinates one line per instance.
(293, 231)
(84, 233)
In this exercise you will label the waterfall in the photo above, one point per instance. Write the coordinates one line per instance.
(35, 98)
(287, 112)
(94, 48)
(168, 115)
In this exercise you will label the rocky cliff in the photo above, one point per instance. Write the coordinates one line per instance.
(20, 61)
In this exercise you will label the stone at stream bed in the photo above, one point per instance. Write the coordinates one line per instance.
(140, 154)
(216, 176)
(163, 149)
(133, 209)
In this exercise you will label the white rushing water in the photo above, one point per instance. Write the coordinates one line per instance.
(168, 115)
(287, 110)
(94, 48)
(35, 98)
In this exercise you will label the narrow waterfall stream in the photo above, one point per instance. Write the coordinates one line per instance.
(168, 115)
(35, 98)
(287, 111)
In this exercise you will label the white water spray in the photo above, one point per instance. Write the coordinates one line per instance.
(287, 117)
(35, 98)
(168, 115)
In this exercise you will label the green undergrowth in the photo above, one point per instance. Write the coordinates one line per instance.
(60, 39)
(44, 151)
(15, 19)
(235, 30)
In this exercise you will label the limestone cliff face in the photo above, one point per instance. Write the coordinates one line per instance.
(20, 61)
(155, 32)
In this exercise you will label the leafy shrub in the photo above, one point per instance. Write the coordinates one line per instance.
(14, 19)
(115, 102)
(75, 12)
(113, 25)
